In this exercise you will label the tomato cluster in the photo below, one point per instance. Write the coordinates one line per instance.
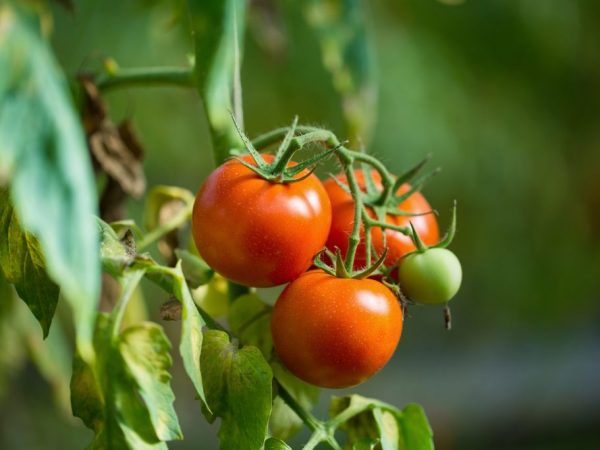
(397, 243)
(330, 330)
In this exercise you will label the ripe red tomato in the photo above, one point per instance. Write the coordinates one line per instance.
(256, 232)
(335, 332)
(398, 244)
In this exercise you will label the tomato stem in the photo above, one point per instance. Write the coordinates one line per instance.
(389, 226)
(447, 317)
(354, 239)
(421, 247)
(449, 236)
(321, 431)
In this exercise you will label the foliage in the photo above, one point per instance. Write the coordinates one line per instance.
(51, 240)
(43, 153)
(23, 265)
(238, 382)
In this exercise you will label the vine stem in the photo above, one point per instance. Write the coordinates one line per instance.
(176, 221)
(354, 239)
(309, 420)
(143, 76)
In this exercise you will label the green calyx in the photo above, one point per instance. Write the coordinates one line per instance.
(338, 268)
(280, 170)
(443, 243)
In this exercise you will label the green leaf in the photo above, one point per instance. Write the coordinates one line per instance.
(366, 419)
(250, 320)
(127, 401)
(191, 332)
(213, 297)
(340, 27)
(116, 254)
(44, 156)
(276, 444)
(219, 33)
(416, 432)
(284, 421)
(23, 265)
(195, 270)
(190, 347)
(238, 385)
(360, 424)
(387, 428)
(145, 351)
(87, 401)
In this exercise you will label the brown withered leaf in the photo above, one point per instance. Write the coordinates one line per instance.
(94, 109)
(171, 310)
(116, 150)
(112, 201)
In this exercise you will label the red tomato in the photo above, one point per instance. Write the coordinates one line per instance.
(335, 332)
(398, 244)
(256, 232)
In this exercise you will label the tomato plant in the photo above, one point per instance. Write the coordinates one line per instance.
(261, 218)
(397, 243)
(278, 227)
(335, 332)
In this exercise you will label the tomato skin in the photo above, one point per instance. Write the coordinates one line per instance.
(334, 332)
(255, 232)
(432, 277)
(398, 244)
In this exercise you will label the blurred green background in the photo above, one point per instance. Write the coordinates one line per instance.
(506, 96)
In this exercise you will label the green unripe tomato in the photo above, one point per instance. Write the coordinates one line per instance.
(431, 277)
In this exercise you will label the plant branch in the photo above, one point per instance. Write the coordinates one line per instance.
(349, 412)
(145, 76)
(389, 226)
(309, 420)
(176, 221)
(354, 239)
